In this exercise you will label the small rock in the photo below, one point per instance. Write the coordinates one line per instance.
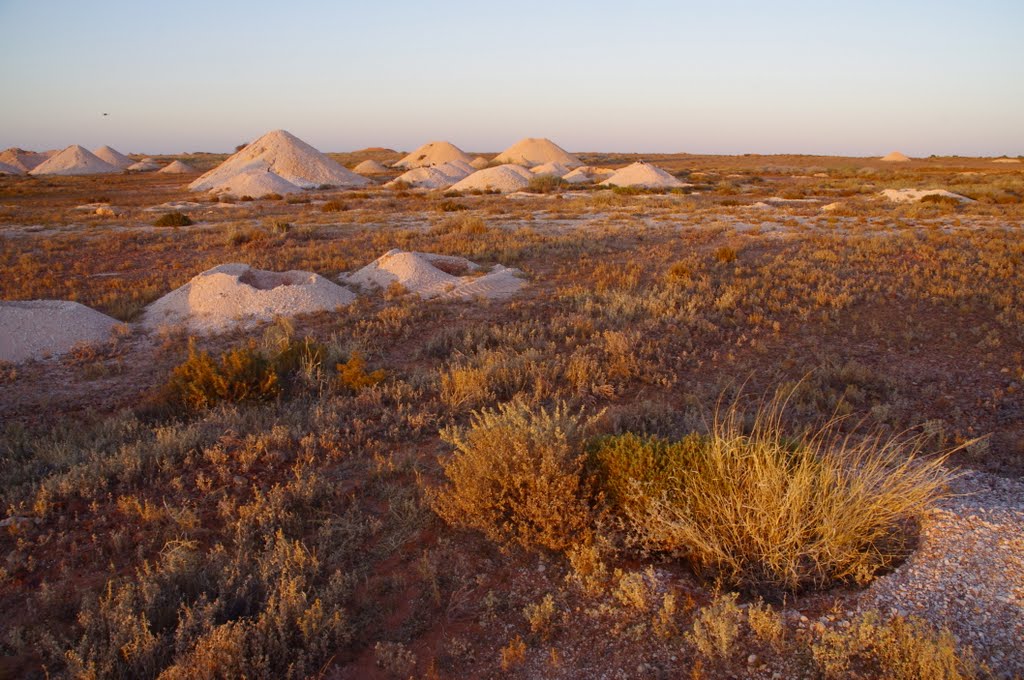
(752, 660)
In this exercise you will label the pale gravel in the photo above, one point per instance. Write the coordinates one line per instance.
(968, 571)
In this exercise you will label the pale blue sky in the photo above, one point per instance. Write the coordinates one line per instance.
(713, 76)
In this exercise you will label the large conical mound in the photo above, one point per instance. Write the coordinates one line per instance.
(287, 156)
(24, 160)
(177, 168)
(114, 157)
(433, 153)
(370, 167)
(537, 151)
(74, 160)
(643, 175)
(894, 157)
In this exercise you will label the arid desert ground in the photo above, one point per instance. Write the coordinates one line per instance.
(724, 417)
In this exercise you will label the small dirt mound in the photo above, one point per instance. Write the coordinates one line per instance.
(255, 183)
(36, 329)
(236, 294)
(503, 179)
(370, 167)
(534, 151)
(433, 153)
(895, 157)
(145, 165)
(114, 157)
(436, 276)
(916, 195)
(177, 168)
(643, 175)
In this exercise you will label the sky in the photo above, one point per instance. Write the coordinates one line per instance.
(646, 76)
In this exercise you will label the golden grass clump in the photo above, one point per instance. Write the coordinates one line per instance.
(766, 512)
(516, 476)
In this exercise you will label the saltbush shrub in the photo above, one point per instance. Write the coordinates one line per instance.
(516, 476)
(238, 375)
(173, 219)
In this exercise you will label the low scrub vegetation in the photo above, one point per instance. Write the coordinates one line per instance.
(173, 219)
(747, 505)
(516, 476)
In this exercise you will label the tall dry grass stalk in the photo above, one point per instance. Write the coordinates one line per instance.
(767, 512)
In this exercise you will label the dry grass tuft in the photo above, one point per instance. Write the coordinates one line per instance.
(767, 512)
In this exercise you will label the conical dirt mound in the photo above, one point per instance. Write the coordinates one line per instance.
(177, 168)
(74, 160)
(643, 175)
(433, 153)
(503, 179)
(255, 183)
(370, 167)
(114, 157)
(537, 151)
(25, 160)
(146, 165)
(287, 156)
(894, 157)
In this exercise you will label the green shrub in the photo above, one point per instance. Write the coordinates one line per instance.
(173, 219)
(515, 475)
(766, 512)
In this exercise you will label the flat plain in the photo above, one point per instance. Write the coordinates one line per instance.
(300, 529)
